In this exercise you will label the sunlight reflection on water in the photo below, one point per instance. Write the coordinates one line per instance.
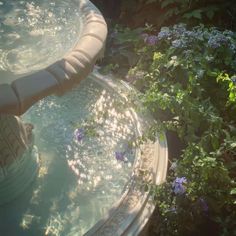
(34, 34)
(78, 181)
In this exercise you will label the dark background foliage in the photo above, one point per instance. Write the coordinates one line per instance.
(136, 13)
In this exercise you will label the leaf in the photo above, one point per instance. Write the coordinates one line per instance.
(215, 142)
(165, 3)
(212, 73)
(194, 14)
(210, 14)
(232, 97)
(233, 145)
(210, 11)
(173, 11)
(233, 191)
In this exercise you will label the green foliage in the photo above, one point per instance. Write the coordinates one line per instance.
(190, 85)
(208, 198)
(192, 12)
(121, 49)
(187, 79)
(230, 85)
(195, 10)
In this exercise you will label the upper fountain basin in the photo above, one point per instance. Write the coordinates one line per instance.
(45, 48)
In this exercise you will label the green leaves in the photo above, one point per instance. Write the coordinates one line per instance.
(230, 85)
(188, 82)
(233, 191)
(189, 88)
(209, 11)
(194, 14)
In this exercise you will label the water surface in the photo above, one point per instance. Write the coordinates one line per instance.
(79, 180)
(35, 33)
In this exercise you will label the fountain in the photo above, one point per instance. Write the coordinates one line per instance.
(66, 159)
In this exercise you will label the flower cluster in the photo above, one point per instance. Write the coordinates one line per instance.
(217, 40)
(179, 185)
(165, 33)
(179, 29)
(150, 39)
(180, 37)
(179, 43)
(120, 156)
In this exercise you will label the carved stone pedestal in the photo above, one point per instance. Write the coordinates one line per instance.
(18, 157)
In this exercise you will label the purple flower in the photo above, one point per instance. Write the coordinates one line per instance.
(203, 204)
(178, 43)
(178, 185)
(213, 43)
(164, 33)
(79, 134)
(192, 36)
(217, 41)
(120, 156)
(151, 40)
(179, 29)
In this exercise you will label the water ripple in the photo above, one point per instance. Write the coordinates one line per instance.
(34, 34)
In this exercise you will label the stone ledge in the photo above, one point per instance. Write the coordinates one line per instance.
(9, 103)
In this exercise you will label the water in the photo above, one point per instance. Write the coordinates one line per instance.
(35, 33)
(78, 180)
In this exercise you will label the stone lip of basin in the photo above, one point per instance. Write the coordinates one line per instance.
(130, 214)
(16, 98)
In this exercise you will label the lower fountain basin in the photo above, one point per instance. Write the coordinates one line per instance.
(90, 172)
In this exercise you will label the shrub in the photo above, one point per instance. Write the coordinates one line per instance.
(190, 85)
(188, 81)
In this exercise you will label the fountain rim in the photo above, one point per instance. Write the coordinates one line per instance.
(16, 98)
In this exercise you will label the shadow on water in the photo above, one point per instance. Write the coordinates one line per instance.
(31, 211)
